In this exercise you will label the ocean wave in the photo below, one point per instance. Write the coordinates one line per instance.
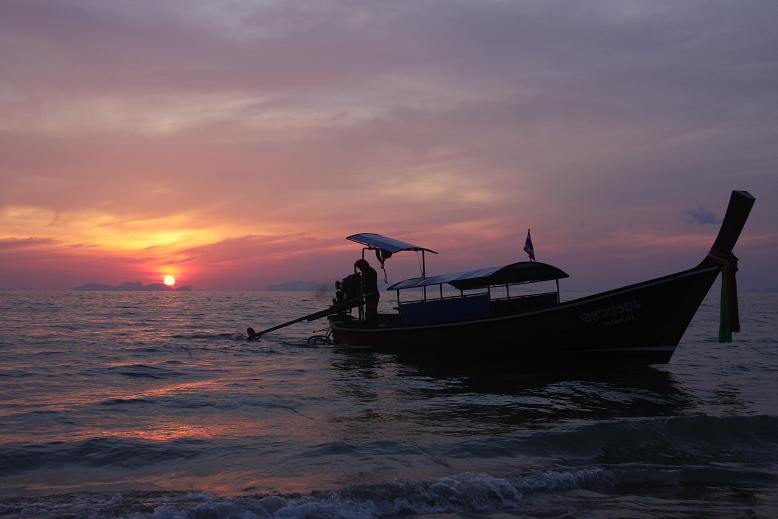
(232, 336)
(125, 401)
(612, 492)
(94, 452)
(678, 442)
(671, 440)
(142, 371)
(460, 493)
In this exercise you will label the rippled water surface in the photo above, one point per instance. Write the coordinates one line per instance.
(153, 404)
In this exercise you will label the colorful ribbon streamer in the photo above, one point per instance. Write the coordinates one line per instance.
(729, 316)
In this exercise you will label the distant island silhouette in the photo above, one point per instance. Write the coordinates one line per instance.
(132, 286)
(300, 286)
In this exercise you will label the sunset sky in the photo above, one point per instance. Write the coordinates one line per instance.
(234, 144)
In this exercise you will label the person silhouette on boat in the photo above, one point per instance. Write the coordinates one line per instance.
(369, 289)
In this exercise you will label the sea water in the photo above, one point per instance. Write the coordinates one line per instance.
(147, 404)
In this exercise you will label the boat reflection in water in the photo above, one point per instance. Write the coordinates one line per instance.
(640, 323)
(491, 398)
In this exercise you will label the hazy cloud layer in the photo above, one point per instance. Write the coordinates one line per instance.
(236, 141)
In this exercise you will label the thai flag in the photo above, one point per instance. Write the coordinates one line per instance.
(528, 248)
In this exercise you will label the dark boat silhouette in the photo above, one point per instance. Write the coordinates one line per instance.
(641, 323)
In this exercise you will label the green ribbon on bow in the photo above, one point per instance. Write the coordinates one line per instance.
(729, 321)
(725, 328)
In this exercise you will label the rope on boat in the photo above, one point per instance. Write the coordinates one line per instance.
(729, 320)
(729, 316)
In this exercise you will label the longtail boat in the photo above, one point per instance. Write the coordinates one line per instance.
(641, 323)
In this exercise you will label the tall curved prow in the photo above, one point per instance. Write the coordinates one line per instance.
(740, 204)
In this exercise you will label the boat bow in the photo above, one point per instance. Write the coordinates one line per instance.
(740, 204)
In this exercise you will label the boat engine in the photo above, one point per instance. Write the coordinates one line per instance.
(347, 289)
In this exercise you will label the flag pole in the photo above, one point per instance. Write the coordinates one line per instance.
(528, 247)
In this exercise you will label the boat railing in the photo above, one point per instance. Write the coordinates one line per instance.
(470, 306)
(443, 298)
(487, 291)
(525, 303)
(523, 296)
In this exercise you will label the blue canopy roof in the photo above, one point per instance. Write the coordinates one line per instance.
(377, 241)
(521, 272)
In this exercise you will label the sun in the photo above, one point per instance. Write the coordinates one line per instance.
(169, 281)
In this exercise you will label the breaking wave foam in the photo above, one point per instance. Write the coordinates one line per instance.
(461, 493)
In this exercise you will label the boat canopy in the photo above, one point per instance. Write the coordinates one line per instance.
(377, 241)
(521, 272)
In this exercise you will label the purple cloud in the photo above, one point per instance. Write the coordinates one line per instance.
(457, 122)
(702, 216)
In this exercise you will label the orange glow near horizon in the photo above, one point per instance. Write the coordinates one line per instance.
(233, 165)
(169, 281)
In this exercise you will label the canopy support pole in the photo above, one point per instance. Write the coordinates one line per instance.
(424, 272)
(557, 291)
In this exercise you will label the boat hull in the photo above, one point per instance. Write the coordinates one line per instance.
(641, 323)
